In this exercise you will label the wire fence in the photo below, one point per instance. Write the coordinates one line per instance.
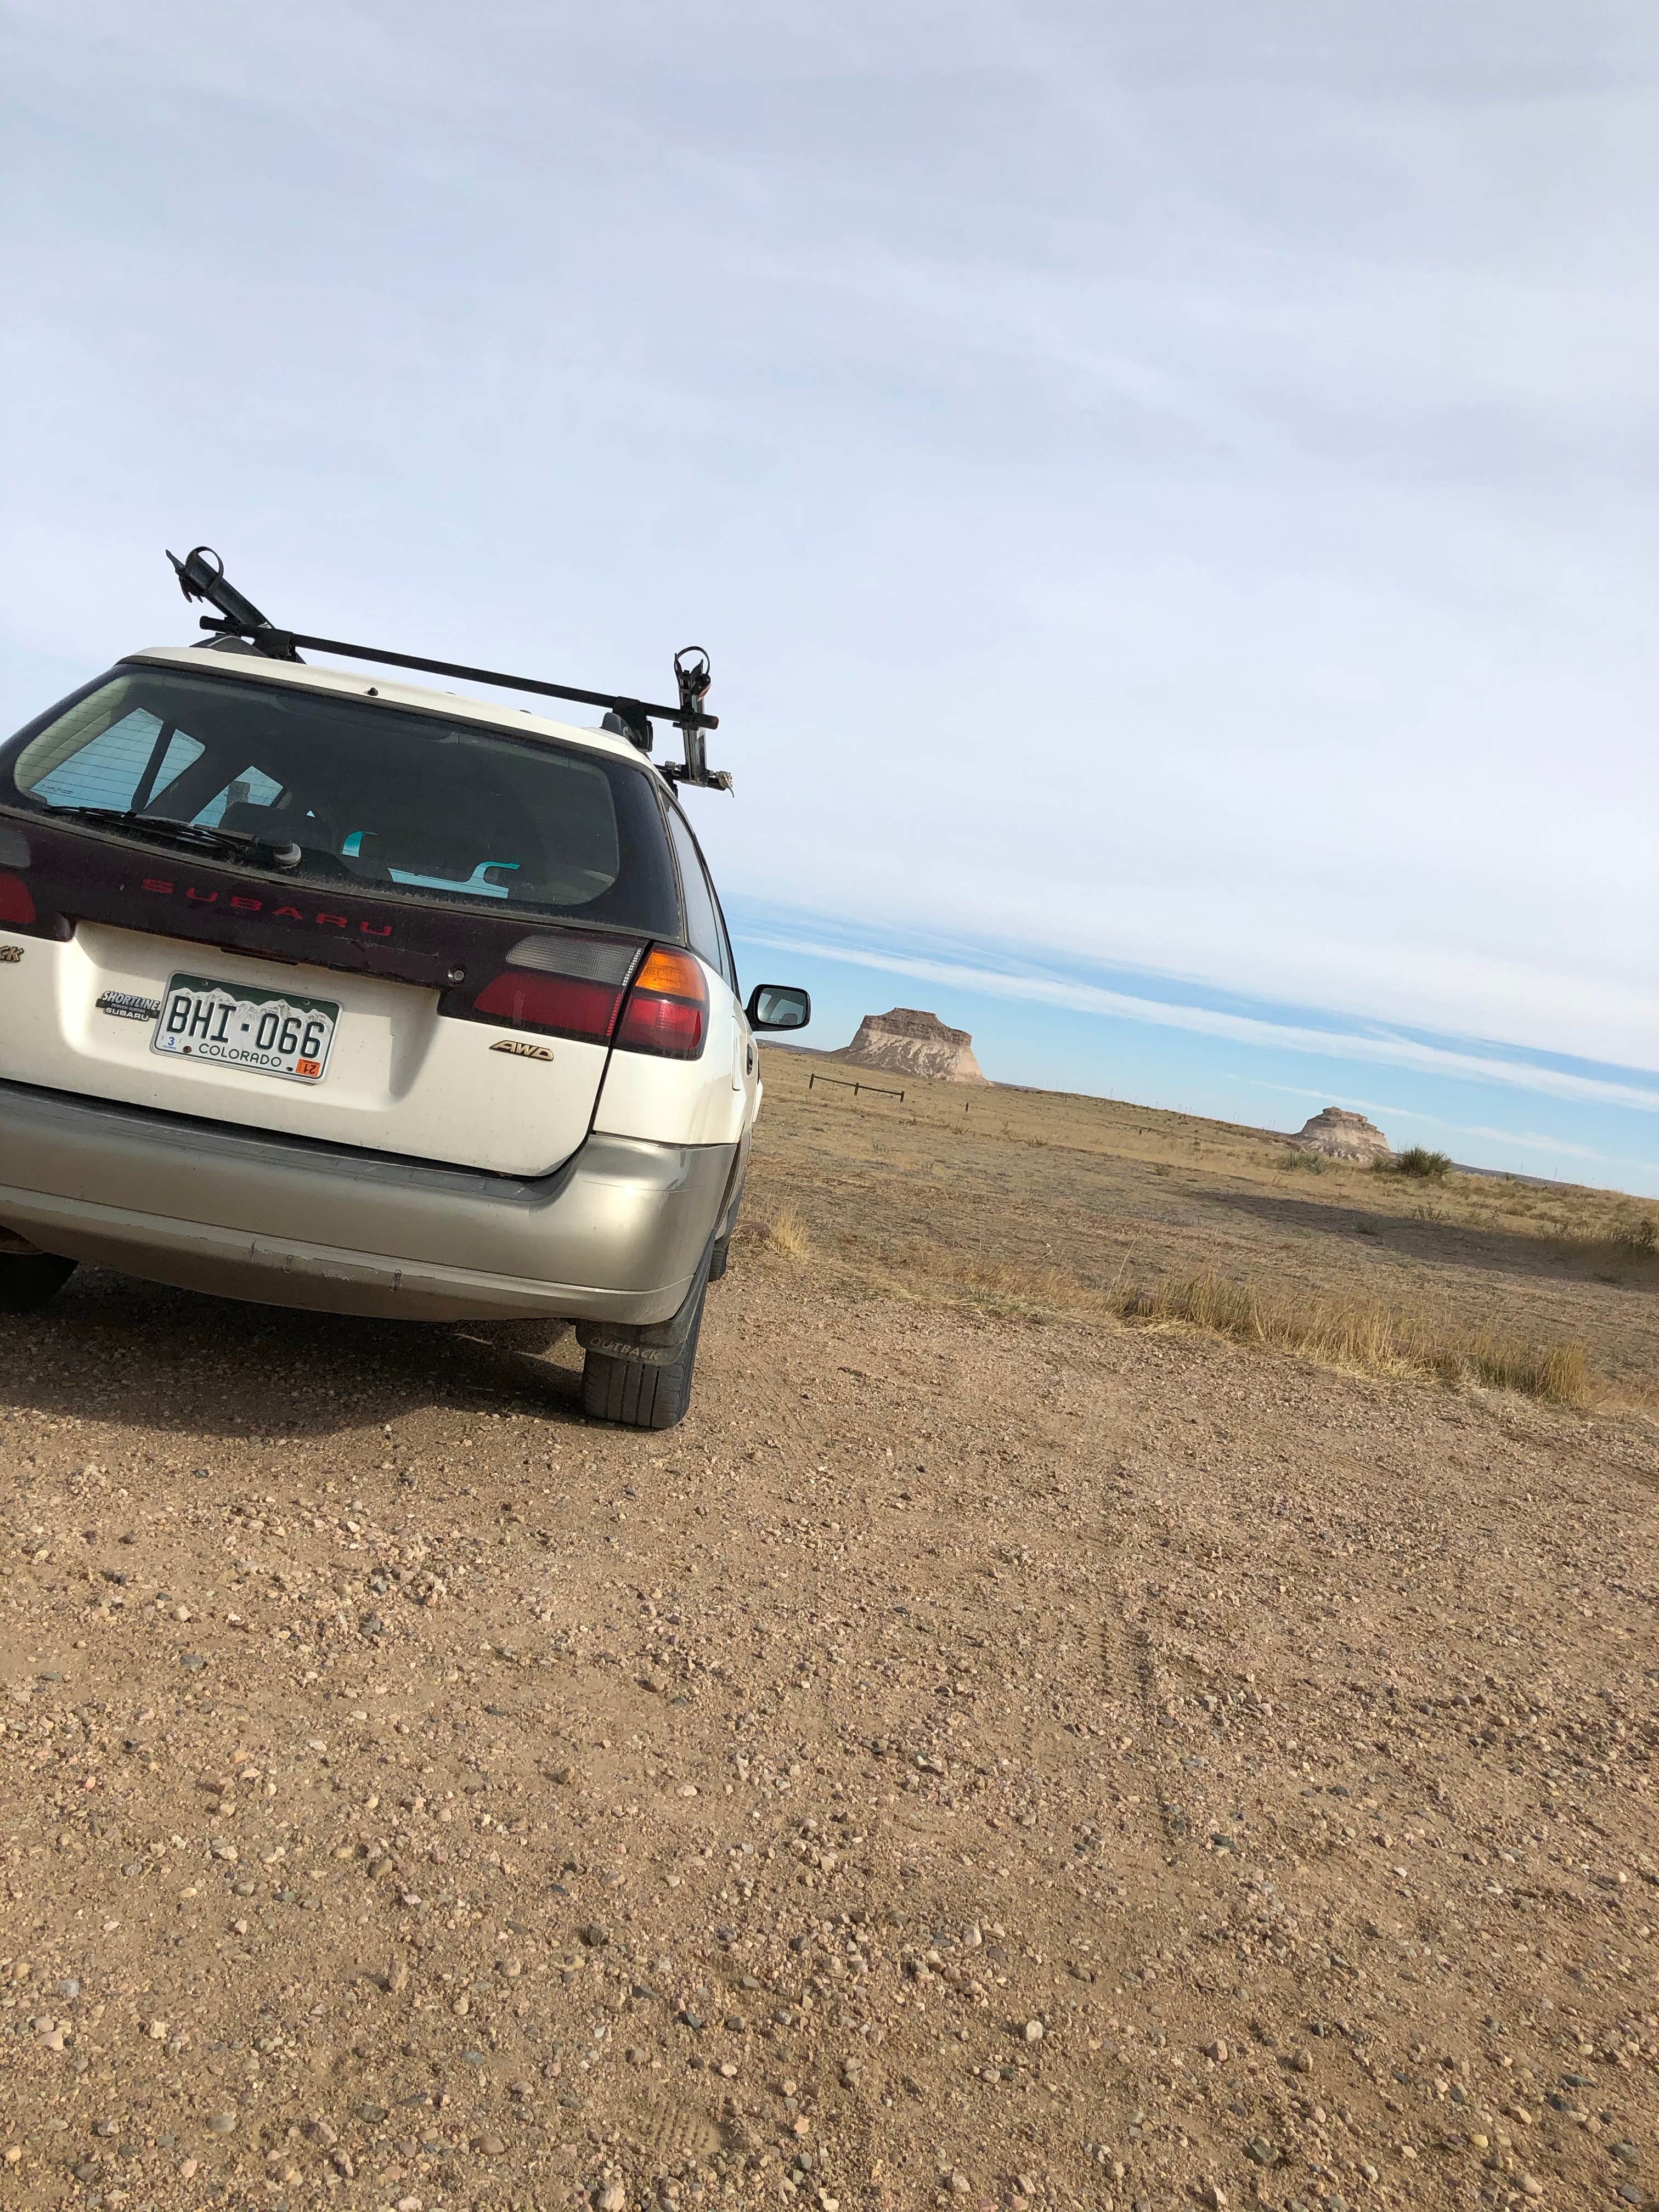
(841, 1083)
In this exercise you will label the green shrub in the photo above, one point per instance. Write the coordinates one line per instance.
(1307, 1163)
(1418, 1160)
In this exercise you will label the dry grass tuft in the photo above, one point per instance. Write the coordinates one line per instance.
(787, 1239)
(1629, 1255)
(1368, 1338)
(1353, 1335)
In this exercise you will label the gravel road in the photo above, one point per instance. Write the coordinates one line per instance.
(967, 1762)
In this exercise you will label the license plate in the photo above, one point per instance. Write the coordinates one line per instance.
(267, 1032)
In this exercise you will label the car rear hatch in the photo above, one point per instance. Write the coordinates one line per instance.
(326, 915)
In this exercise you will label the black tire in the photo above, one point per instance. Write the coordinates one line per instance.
(721, 1254)
(648, 1393)
(28, 1280)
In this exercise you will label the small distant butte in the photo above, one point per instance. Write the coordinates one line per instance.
(906, 1041)
(1340, 1135)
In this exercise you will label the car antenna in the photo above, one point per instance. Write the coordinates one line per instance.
(201, 576)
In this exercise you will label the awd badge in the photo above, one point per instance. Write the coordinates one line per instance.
(520, 1050)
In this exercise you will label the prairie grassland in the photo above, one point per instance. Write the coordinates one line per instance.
(1037, 1203)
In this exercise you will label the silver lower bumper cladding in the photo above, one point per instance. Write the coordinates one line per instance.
(616, 1234)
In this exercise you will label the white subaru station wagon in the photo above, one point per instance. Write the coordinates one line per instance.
(341, 993)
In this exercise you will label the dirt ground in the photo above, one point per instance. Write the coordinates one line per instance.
(990, 1762)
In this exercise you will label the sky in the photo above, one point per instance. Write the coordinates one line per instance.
(1168, 489)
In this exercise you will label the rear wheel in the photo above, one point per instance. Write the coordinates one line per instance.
(642, 1378)
(27, 1279)
(720, 1256)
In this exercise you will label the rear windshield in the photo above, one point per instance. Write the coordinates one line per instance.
(395, 801)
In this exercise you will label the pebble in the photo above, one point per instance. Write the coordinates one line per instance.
(612, 2198)
(1034, 2030)
(1531, 2185)
(223, 2124)
(1217, 2050)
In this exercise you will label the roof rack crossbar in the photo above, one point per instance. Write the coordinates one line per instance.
(201, 576)
(630, 709)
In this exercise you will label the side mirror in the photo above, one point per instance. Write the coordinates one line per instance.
(779, 1006)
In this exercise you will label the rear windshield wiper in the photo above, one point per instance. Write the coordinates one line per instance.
(238, 843)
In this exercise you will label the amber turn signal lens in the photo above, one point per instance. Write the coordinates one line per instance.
(677, 974)
(667, 1009)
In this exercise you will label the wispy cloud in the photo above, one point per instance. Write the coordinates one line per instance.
(1378, 1048)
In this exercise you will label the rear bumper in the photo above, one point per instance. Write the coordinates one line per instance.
(616, 1234)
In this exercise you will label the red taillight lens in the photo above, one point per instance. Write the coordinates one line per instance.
(565, 1006)
(16, 905)
(667, 1010)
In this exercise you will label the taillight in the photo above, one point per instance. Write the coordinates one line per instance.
(564, 1006)
(578, 986)
(16, 903)
(667, 1009)
(569, 985)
